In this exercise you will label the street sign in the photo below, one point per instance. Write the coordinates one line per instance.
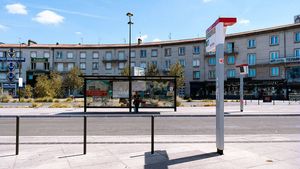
(11, 52)
(11, 76)
(20, 82)
(215, 38)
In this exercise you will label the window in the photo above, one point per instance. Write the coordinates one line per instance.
(182, 62)
(59, 55)
(82, 65)
(18, 54)
(196, 63)
(297, 37)
(121, 55)
(132, 54)
(154, 62)
(33, 54)
(154, 53)
(46, 54)
(121, 65)
(108, 66)
(212, 61)
(143, 64)
(132, 64)
(274, 40)
(167, 64)
(212, 74)
(274, 71)
(33, 66)
(82, 55)
(230, 47)
(70, 66)
(95, 55)
(196, 50)
(60, 67)
(181, 51)
(168, 51)
(251, 59)
(108, 56)
(95, 65)
(143, 53)
(252, 73)
(274, 55)
(251, 43)
(297, 53)
(3, 76)
(70, 55)
(1, 54)
(231, 73)
(46, 66)
(196, 75)
(230, 60)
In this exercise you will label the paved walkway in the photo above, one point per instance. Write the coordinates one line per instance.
(171, 152)
(252, 108)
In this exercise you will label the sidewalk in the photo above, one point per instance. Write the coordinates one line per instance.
(280, 108)
(171, 152)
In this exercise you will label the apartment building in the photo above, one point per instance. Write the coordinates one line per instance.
(273, 55)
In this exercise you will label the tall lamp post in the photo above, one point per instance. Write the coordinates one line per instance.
(129, 59)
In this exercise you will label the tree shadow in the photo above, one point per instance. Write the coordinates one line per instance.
(9, 155)
(160, 159)
(73, 155)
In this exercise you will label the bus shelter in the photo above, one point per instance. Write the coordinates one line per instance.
(119, 91)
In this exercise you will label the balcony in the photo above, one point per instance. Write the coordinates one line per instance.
(113, 60)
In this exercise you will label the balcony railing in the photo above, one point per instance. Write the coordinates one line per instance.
(105, 60)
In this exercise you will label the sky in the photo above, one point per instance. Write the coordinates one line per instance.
(105, 21)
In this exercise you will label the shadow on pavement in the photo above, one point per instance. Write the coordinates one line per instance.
(160, 159)
(108, 113)
(73, 155)
(9, 155)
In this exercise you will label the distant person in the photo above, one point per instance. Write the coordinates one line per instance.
(136, 102)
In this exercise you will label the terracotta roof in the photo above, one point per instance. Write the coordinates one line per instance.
(148, 44)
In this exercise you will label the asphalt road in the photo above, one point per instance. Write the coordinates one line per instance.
(141, 126)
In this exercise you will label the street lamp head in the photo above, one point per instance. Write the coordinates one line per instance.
(129, 14)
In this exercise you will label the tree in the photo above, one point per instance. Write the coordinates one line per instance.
(43, 87)
(125, 71)
(152, 70)
(28, 91)
(48, 87)
(56, 82)
(177, 70)
(72, 81)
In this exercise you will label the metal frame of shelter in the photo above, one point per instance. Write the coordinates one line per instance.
(130, 79)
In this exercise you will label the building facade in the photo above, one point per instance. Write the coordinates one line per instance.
(273, 56)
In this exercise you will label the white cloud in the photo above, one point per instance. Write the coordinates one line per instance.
(3, 28)
(156, 40)
(206, 1)
(49, 18)
(16, 8)
(78, 33)
(244, 21)
(143, 37)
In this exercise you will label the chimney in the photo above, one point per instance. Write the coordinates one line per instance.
(31, 42)
(297, 19)
(140, 41)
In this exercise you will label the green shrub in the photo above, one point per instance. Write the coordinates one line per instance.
(22, 100)
(36, 105)
(14, 101)
(44, 99)
(189, 99)
(56, 101)
(59, 105)
(178, 103)
(69, 99)
(5, 98)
